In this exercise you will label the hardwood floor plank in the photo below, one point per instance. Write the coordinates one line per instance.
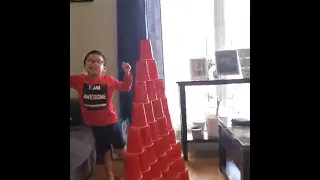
(200, 168)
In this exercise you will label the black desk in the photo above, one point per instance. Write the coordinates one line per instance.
(234, 147)
(185, 136)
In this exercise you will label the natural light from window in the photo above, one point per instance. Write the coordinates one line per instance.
(188, 30)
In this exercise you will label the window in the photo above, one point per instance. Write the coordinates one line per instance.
(195, 29)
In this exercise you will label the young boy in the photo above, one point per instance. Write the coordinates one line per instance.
(95, 95)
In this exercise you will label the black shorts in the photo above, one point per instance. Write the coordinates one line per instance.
(105, 136)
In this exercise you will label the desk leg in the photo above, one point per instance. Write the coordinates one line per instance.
(185, 148)
(245, 171)
(184, 129)
(222, 155)
(222, 158)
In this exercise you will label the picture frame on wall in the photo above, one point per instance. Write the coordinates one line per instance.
(199, 69)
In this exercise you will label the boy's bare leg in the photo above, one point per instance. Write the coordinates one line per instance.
(121, 153)
(108, 165)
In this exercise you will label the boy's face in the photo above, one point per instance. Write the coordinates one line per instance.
(94, 64)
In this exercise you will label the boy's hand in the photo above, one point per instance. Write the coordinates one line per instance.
(126, 67)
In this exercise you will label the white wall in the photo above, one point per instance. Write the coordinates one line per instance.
(93, 25)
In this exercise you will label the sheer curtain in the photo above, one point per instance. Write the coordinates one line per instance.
(237, 36)
(188, 29)
(237, 21)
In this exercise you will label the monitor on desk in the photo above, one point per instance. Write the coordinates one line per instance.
(227, 62)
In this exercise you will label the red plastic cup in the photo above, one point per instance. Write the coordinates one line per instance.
(164, 103)
(142, 71)
(149, 112)
(164, 162)
(168, 155)
(151, 154)
(140, 92)
(166, 142)
(162, 124)
(151, 89)
(147, 175)
(178, 165)
(139, 118)
(170, 175)
(144, 161)
(159, 84)
(172, 137)
(169, 122)
(134, 144)
(132, 167)
(184, 175)
(146, 136)
(157, 109)
(160, 88)
(153, 69)
(146, 49)
(156, 171)
(154, 130)
(159, 178)
(160, 94)
(159, 148)
(175, 152)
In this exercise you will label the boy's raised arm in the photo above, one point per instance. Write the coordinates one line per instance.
(124, 85)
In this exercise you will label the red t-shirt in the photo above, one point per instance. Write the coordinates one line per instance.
(95, 96)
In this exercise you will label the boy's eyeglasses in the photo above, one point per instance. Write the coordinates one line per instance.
(89, 62)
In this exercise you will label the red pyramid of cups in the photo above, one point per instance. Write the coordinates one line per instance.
(152, 151)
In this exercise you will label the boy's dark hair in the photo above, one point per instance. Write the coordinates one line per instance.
(97, 53)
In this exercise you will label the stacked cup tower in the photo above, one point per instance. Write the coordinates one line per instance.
(152, 151)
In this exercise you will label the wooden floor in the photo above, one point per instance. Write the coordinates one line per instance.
(200, 168)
